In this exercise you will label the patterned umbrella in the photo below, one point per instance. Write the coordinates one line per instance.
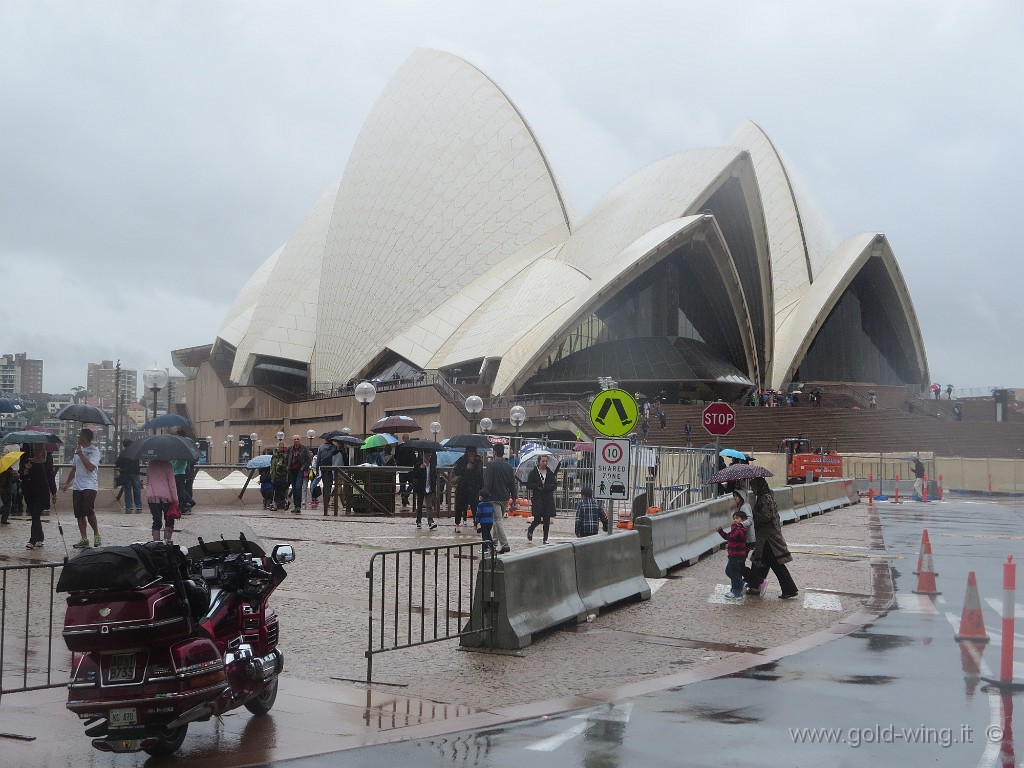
(738, 472)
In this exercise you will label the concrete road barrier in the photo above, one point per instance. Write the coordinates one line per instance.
(670, 539)
(533, 591)
(609, 569)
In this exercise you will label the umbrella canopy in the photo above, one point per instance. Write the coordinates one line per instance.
(31, 437)
(396, 424)
(347, 440)
(738, 472)
(732, 453)
(87, 414)
(933, 387)
(259, 462)
(421, 444)
(872, 392)
(332, 433)
(8, 460)
(52, 446)
(8, 405)
(163, 447)
(585, 447)
(481, 442)
(528, 461)
(378, 441)
(166, 421)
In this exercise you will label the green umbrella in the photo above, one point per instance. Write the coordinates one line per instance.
(379, 441)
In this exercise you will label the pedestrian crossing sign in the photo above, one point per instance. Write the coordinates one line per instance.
(614, 412)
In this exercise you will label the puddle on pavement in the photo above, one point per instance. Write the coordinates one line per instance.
(677, 642)
(881, 642)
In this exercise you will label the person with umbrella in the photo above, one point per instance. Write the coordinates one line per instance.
(405, 457)
(500, 484)
(84, 481)
(323, 457)
(279, 477)
(8, 480)
(161, 493)
(424, 486)
(130, 476)
(299, 458)
(469, 478)
(919, 471)
(39, 489)
(770, 551)
(542, 482)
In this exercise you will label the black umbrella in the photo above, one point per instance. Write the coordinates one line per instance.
(330, 435)
(166, 421)
(346, 440)
(8, 405)
(738, 472)
(420, 444)
(87, 414)
(163, 447)
(31, 437)
(469, 441)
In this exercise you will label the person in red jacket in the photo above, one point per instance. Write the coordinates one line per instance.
(736, 548)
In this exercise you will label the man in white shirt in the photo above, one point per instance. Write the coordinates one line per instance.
(84, 481)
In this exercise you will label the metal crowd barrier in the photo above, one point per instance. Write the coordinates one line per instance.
(27, 629)
(422, 595)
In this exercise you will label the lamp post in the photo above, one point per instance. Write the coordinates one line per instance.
(310, 434)
(346, 431)
(365, 392)
(473, 406)
(231, 439)
(225, 451)
(517, 416)
(486, 425)
(155, 379)
(279, 436)
(259, 447)
(435, 427)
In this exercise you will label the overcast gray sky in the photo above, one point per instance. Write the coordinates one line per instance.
(153, 154)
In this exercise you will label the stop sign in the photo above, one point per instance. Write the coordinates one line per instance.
(719, 418)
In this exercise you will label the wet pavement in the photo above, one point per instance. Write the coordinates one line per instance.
(611, 675)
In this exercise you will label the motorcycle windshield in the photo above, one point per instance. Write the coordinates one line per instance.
(210, 535)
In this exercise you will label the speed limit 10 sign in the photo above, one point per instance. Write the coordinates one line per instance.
(611, 468)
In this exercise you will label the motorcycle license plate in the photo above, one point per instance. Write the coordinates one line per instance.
(122, 717)
(122, 668)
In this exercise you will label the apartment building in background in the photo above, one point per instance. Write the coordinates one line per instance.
(19, 375)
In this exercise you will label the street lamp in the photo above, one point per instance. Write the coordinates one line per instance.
(486, 425)
(517, 416)
(310, 434)
(346, 431)
(155, 380)
(225, 451)
(253, 439)
(231, 439)
(435, 427)
(365, 392)
(473, 406)
(280, 436)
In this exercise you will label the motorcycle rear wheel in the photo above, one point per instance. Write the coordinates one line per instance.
(169, 744)
(264, 701)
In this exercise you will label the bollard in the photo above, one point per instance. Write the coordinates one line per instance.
(896, 499)
(1009, 591)
(871, 488)
(940, 487)
(989, 483)
(924, 490)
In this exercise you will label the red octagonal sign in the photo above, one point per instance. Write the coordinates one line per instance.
(719, 418)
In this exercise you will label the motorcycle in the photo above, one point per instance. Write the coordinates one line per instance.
(163, 636)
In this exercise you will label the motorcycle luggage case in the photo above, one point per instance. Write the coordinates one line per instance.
(103, 620)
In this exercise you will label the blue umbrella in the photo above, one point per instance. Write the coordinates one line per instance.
(731, 453)
(259, 462)
(7, 405)
(166, 421)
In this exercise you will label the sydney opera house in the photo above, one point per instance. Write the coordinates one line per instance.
(448, 247)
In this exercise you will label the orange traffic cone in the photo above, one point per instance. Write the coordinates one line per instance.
(972, 621)
(926, 577)
(925, 542)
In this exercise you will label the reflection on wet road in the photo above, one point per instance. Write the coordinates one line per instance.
(901, 691)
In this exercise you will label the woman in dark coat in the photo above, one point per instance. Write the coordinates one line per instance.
(542, 483)
(469, 474)
(39, 488)
(770, 551)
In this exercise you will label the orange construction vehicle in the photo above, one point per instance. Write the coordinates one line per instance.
(801, 461)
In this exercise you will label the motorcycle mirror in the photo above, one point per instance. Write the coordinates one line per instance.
(283, 553)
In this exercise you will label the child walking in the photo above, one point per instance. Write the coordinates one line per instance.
(736, 548)
(483, 518)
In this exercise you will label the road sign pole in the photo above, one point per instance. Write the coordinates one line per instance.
(718, 452)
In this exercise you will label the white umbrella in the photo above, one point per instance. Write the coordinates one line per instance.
(528, 461)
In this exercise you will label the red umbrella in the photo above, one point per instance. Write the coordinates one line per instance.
(394, 424)
(933, 387)
(585, 447)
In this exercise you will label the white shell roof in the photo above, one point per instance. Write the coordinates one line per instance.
(448, 240)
